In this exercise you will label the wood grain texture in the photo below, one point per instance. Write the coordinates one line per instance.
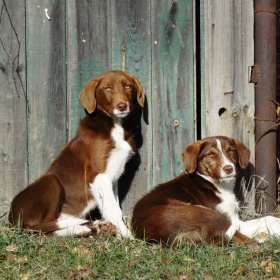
(227, 52)
(173, 89)
(46, 83)
(153, 40)
(131, 48)
(13, 102)
(88, 51)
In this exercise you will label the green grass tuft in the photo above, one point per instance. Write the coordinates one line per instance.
(24, 255)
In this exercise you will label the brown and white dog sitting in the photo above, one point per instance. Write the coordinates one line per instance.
(200, 203)
(85, 172)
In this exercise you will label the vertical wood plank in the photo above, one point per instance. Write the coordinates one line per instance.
(131, 39)
(46, 83)
(202, 85)
(229, 98)
(173, 76)
(13, 101)
(88, 50)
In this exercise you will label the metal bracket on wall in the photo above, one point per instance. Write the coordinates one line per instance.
(277, 121)
(253, 74)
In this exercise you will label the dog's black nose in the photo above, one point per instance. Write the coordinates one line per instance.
(228, 169)
(122, 106)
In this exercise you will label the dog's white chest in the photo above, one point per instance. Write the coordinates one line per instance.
(228, 205)
(119, 155)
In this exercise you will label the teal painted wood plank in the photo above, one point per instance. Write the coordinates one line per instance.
(46, 83)
(88, 51)
(131, 51)
(13, 102)
(173, 76)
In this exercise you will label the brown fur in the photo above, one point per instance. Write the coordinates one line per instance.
(186, 205)
(64, 187)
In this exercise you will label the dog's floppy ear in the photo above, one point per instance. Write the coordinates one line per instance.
(140, 91)
(190, 155)
(243, 153)
(87, 95)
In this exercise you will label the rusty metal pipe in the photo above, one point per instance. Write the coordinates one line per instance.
(265, 90)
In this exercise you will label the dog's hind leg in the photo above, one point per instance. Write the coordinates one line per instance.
(80, 227)
(75, 229)
(177, 221)
(40, 203)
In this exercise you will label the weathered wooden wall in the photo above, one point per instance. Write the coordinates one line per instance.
(173, 90)
(227, 52)
(45, 83)
(45, 63)
(40, 109)
(13, 101)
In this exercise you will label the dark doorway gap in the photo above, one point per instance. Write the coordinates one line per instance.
(198, 69)
(278, 91)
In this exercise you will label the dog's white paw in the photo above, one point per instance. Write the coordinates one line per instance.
(82, 231)
(102, 227)
(77, 230)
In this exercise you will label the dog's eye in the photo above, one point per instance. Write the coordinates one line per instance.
(107, 88)
(231, 151)
(127, 86)
(210, 154)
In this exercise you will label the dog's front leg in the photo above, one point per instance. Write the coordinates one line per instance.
(232, 214)
(232, 230)
(116, 192)
(269, 225)
(102, 190)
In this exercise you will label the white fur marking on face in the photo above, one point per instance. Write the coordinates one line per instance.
(122, 114)
(225, 162)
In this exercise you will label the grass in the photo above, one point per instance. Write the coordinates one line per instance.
(24, 255)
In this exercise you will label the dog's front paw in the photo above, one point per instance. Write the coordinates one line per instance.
(262, 237)
(105, 228)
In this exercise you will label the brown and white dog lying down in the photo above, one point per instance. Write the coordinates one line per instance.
(85, 173)
(200, 203)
